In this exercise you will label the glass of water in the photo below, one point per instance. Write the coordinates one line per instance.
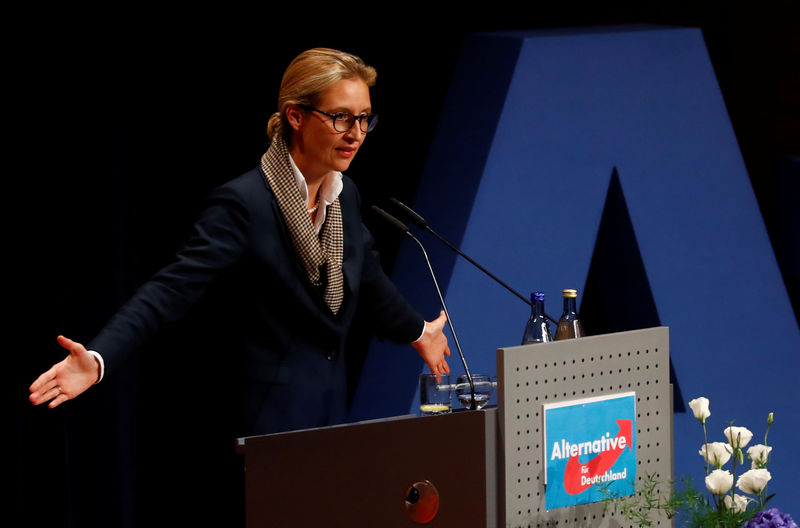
(484, 387)
(434, 394)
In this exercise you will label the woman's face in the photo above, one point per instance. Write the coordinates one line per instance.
(316, 147)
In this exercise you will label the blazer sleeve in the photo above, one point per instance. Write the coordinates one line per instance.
(218, 240)
(391, 314)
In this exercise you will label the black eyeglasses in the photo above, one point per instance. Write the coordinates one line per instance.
(344, 121)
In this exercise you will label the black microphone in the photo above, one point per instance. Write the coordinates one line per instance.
(400, 226)
(421, 222)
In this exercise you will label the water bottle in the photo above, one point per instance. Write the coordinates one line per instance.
(569, 327)
(537, 330)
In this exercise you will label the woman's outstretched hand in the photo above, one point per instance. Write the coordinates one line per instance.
(432, 346)
(68, 378)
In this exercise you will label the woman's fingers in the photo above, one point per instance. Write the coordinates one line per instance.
(67, 378)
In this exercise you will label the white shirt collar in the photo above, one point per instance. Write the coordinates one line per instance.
(329, 190)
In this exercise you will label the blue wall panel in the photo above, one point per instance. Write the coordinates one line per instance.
(528, 201)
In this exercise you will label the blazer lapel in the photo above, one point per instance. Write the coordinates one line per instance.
(351, 258)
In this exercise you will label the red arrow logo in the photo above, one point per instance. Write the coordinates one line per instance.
(573, 484)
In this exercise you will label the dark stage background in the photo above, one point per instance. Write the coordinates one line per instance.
(130, 122)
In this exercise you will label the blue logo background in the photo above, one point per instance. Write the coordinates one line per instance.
(588, 420)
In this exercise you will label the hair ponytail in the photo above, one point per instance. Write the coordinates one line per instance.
(274, 125)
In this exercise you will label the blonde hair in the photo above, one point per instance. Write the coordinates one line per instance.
(310, 74)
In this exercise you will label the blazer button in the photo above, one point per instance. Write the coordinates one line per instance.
(331, 355)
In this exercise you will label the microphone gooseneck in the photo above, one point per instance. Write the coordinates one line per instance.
(400, 226)
(418, 220)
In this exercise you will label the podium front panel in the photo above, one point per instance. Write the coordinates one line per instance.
(359, 474)
(532, 375)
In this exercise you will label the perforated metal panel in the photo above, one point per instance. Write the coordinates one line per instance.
(531, 375)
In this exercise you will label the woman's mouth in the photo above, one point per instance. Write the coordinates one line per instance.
(346, 152)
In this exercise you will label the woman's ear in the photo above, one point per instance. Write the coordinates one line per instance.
(294, 115)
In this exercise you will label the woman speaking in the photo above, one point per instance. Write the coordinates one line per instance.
(290, 232)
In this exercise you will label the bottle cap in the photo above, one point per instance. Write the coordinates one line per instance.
(537, 296)
(570, 294)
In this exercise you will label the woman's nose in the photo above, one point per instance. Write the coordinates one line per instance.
(355, 131)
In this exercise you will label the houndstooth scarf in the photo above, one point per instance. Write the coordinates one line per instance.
(315, 252)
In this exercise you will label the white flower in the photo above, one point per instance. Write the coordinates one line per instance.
(753, 481)
(739, 503)
(738, 436)
(715, 453)
(759, 454)
(699, 407)
(719, 481)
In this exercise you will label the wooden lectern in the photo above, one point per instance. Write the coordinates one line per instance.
(361, 474)
(489, 469)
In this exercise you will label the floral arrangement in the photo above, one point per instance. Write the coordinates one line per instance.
(716, 454)
(727, 507)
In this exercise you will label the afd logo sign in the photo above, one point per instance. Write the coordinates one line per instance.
(590, 445)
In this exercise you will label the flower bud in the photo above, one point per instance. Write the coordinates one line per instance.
(753, 481)
(715, 453)
(737, 505)
(719, 481)
(759, 454)
(770, 418)
(738, 436)
(699, 407)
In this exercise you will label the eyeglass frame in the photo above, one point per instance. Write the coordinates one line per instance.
(340, 115)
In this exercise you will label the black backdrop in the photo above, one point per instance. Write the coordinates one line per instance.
(128, 123)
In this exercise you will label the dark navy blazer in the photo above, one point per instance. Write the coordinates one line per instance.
(291, 344)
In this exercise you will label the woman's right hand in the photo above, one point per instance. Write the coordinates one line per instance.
(68, 378)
